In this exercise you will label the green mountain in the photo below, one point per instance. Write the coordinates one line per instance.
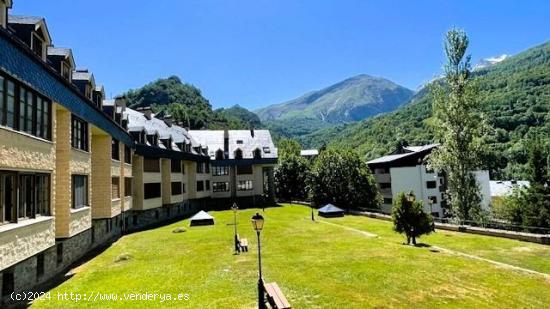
(515, 97)
(350, 100)
(186, 104)
(240, 115)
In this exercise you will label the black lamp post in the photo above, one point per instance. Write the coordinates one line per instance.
(235, 208)
(258, 224)
(312, 216)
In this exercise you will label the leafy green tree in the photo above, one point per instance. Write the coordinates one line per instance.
(291, 178)
(288, 147)
(341, 177)
(459, 126)
(531, 206)
(409, 217)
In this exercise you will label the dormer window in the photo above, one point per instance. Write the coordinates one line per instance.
(257, 153)
(219, 154)
(238, 154)
(37, 45)
(66, 70)
(267, 149)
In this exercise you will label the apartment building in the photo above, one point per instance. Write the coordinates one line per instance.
(76, 169)
(243, 162)
(405, 170)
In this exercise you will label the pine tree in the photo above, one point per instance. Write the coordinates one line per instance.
(409, 217)
(459, 126)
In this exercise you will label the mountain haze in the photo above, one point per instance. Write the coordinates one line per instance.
(353, 99)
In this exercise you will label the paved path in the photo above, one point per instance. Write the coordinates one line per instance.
(350, 229)
(449, 251)
(499, 264)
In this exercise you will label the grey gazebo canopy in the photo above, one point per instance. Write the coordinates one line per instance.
(330, 210)
(201, 218)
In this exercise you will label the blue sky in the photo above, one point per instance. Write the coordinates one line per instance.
(259, 52)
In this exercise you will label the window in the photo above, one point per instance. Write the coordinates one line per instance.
(257, 154)
(21, 109)
(115, 149)
(8, 286)
(10, 104)
(115, 188)
(431, 184)
(79, 132)
(127, 186)
(66, 70)
(385, 185)
(200, 186)
(388, 200)
(34, 195)
(207, 168)
(151, 165)
(37, 45)
(176, 166)
(183, 188)
(176, 188)
(40, 265)
(244, 169)
(433, 199)
(183, 168)
(207, 185)
(151, 190)
(80, 191)
(200, 167)
(244, 185)
(127, 154)
(220, 186)
(266, 149)
(8, 198)
(59, 250)
(220, 170)
(239, 142)
(238, 154)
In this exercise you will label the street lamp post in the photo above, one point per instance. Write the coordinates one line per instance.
(258, 224)
(312, 216)
(236, 238)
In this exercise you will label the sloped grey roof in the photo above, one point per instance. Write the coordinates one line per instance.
(329, 208)
(137, 122)
(202, 215)
(59, 51)
(238, 139)
(25, 20)
(81, 75)
(504, 187)
(411, 150)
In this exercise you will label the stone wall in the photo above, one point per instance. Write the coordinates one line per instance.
(22, 240)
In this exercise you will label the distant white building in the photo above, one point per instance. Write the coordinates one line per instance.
(309, 153)
(500, 188)
(405, 170)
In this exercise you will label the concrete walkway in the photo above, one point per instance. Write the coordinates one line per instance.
(499, 264)
(449, 251)
(350, 229)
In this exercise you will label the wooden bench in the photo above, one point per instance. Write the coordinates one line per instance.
(243, 243)
(275, 296)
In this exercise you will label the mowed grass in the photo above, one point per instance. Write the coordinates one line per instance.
(317, 265)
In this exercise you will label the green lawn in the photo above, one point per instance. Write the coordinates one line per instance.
(316, 265)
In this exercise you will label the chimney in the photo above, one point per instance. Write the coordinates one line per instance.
(120, 101)
(252, 132)
(146, 111)
(4, 6)
(168, 120)
(226, 140)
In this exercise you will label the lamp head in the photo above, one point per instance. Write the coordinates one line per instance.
(257, 222)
